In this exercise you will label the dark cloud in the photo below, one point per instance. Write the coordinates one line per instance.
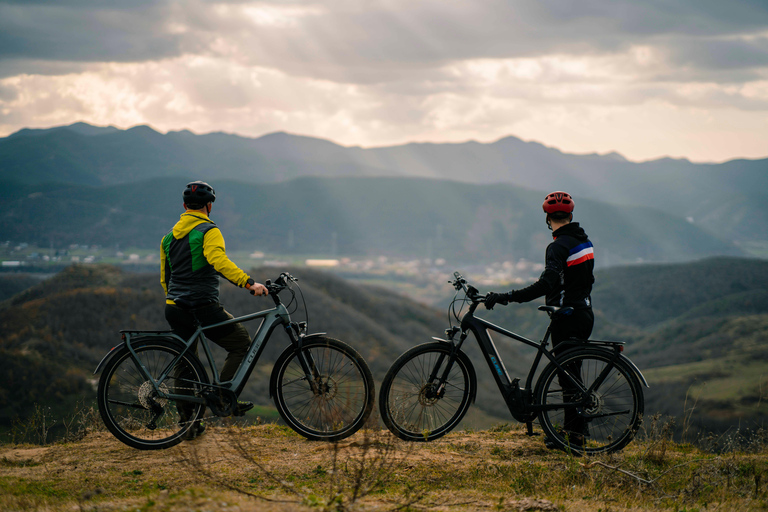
(377, 44)
(15, 67)
(91, 31)
(350, 41)
(722, 55)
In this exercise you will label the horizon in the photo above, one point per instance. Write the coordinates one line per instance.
(489, 142)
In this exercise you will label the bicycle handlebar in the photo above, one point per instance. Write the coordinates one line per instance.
(472, 293)
(280, 284)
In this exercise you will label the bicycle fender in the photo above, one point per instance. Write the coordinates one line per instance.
(114, 350)
(634, 367)
(621, 357)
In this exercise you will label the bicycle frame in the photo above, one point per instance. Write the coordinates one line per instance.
(271, 319)
(507, 386)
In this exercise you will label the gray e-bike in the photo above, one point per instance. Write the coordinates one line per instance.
(153, 387)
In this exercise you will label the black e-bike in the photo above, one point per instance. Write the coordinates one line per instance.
(429, 388)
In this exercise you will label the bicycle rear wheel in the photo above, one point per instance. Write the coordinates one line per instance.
(340, 397)
(412, 407)
(131, 408)
(611, 414)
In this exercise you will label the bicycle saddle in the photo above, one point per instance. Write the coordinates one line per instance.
(555, 310)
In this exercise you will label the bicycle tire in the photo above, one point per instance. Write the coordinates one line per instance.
(126, 399)
(405, 404)
(344, 396)
(616, 406)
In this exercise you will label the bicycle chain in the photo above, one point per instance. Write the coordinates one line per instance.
(207, 418)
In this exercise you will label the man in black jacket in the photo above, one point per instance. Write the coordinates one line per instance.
(566, 281)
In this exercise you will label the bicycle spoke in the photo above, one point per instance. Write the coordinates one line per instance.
(336, 400)
(609, 414)
(410, 403)
(134, 409)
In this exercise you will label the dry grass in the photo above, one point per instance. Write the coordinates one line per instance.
(270, 468)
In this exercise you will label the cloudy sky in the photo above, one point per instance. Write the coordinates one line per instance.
(646, 78)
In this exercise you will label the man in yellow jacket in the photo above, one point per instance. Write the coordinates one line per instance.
(192, 257)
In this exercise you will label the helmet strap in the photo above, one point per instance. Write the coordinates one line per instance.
(569, 220)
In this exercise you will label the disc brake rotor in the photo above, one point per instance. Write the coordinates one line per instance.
(328, 388)
(428, 395)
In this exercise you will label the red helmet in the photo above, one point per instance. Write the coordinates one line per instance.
(558, 202)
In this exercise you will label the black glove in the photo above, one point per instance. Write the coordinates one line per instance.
(494, 298)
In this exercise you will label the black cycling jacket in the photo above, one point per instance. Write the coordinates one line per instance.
(568, 274)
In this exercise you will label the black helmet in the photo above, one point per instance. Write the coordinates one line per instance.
(198, 194)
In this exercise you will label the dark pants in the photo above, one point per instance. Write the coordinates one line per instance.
(577, 325)
(233, 338)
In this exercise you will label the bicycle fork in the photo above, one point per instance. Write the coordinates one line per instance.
(297, 333)
(439, 391)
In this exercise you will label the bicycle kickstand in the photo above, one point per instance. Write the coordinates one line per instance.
(530, 432)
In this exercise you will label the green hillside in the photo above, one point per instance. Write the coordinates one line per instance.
(53, 334)
(702, 345)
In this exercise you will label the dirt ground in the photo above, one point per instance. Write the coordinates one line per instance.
(264, 468)
(270, 468)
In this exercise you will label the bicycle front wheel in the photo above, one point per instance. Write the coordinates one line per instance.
(605, 420)
(131, 407)
(412, 406)
(331, 402)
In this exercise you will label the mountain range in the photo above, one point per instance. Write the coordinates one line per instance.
(369, 217)
(288, 193)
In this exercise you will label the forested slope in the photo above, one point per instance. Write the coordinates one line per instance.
(698, 331)
(53, 334)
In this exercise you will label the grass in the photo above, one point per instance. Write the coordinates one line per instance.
(269, 467)
(737, 384)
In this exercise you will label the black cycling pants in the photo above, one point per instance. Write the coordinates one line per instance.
(233, 338)
(577, 325)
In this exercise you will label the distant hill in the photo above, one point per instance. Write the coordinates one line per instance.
(15, 283)
(701, 345)
(403, 217)
(725, 199)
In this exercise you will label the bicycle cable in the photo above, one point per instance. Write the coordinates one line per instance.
(304, 301)
(452, 308)
(291, 302)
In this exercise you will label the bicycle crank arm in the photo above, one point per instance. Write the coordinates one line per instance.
(595, 416)
(133, 405)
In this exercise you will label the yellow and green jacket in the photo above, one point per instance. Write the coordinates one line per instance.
(192, 257)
